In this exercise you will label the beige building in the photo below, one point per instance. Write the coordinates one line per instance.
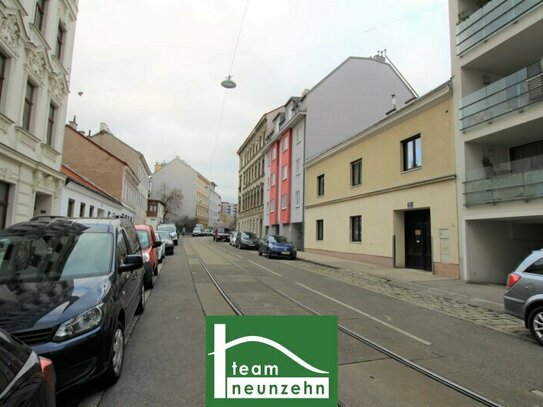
(36, 45)
(135, 160)
(251, 176)
(202, 200)
(104, 169)
(388, 194)
(497, 70)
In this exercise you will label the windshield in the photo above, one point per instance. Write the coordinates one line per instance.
(248, 235)
(164, 235)
(34, 258)
(168, 228)
(278, 239)
(144, 239)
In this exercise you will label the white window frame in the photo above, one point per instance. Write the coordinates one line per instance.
(273, 154)
(272, 205)
(297, 198)
(283, 202)
(272, 180)
(298, 166)
(285, 143)
(284, 172)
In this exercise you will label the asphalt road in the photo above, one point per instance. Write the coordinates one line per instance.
(165, 358)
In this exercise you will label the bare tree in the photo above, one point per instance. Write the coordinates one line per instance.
(172, 199)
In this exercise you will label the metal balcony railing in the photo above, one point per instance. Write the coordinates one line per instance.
(488, 19)
(508, 181)
(508, 94)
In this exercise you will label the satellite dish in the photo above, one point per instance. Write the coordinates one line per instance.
(228, 83)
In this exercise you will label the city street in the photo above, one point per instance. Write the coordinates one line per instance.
(165, 361)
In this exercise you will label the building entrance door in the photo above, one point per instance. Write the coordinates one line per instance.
(418, 242)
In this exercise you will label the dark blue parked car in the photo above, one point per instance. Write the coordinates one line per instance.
(69, 288)
(277, 246)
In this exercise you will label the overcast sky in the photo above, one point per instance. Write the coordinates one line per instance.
(151, 69)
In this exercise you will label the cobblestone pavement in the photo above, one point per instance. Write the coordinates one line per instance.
(422, 297)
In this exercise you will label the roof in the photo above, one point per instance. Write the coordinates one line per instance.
(261, 120)
(73, 176)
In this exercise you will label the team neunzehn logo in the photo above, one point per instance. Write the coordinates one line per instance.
(271, 361)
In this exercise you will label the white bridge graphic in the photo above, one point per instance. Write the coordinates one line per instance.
(219, 354)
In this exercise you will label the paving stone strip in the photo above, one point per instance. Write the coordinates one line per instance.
(478, 315)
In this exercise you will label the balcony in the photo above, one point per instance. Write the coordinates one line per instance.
(514, 92)
(488, 19)
(508, 181)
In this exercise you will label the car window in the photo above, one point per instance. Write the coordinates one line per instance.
(536, 267)
(122, 249)
(132, 238)
(249, 235)
(144, 239)
(54, 257)
(280, 239)
(164, 235)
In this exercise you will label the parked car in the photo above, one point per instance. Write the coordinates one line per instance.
(232, 238)
(523, 297)
(161, 250)
(247, 240)
(221, 233)
(26, 379)
(68, 289)
(277, 246)
(208, 231)
(148, 243)
(167, 240)
(172, 229)
(197, 231)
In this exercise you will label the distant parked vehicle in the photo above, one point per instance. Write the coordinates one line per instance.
(73, 286)
(25, 379)
(160, 250)
(232, 238)
(221, 233)
(277, 246)
(167, 240)
(172, 229)
(197, 231)
(208, 231)
(247, 240)
(149, 244)
(523, 297)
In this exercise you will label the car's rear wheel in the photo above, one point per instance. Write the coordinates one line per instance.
(259, 253)
(141, 304)
(535, 323)
(149, 283)
(116, 357)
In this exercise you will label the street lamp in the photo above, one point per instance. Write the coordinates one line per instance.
(228, 83)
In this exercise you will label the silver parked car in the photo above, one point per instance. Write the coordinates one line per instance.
(167, 240)
(524, 295)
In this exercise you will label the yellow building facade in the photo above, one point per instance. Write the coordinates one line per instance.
(388, 195)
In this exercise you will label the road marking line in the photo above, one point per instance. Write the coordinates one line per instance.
(416, 338)
(267, 269)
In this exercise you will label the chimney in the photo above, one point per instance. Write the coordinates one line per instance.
(73, 124)
(393, 96)
(104, 127)
(379, 57)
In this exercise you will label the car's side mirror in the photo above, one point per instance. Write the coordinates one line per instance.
(131, 262)
(157, 243)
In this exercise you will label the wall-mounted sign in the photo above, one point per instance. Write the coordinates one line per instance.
(410, 205)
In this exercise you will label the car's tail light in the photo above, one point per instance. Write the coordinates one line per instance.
(48, 371)
(512, 280)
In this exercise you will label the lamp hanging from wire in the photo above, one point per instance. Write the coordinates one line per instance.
(228, 83)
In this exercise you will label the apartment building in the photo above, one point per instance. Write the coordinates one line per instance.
(496, 56)
(155, 213)
(251, 175)
(36, 48)
(214, 205)
(135, 160)
(387, 195)
(356, 94)
(104, 169)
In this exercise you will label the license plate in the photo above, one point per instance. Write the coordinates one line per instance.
(285, 252)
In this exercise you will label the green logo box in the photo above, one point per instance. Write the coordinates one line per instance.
(271, 361)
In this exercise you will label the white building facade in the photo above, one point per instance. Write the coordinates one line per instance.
(497, 67)
(36, 49)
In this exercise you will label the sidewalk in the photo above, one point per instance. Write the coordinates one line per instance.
(489, 296)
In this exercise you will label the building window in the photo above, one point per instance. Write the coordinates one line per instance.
(272, 205)
(284, 172)
(412, 153)
(299, 135)
(356, 172)
(283, 202)
(277, 126)
(320, 229)
(29, 103)
(298, 166)
(39, 17)
(297, 197)
(273, 153)
(273, 180)
(285, 143)
(81, 210)
(356, 228)
(320, 185)
(4, 197)
(70, 211)
(91, 211)
(51, 124)
(61, 35)
(3, 64)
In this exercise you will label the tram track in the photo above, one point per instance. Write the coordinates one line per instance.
(359, 338)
